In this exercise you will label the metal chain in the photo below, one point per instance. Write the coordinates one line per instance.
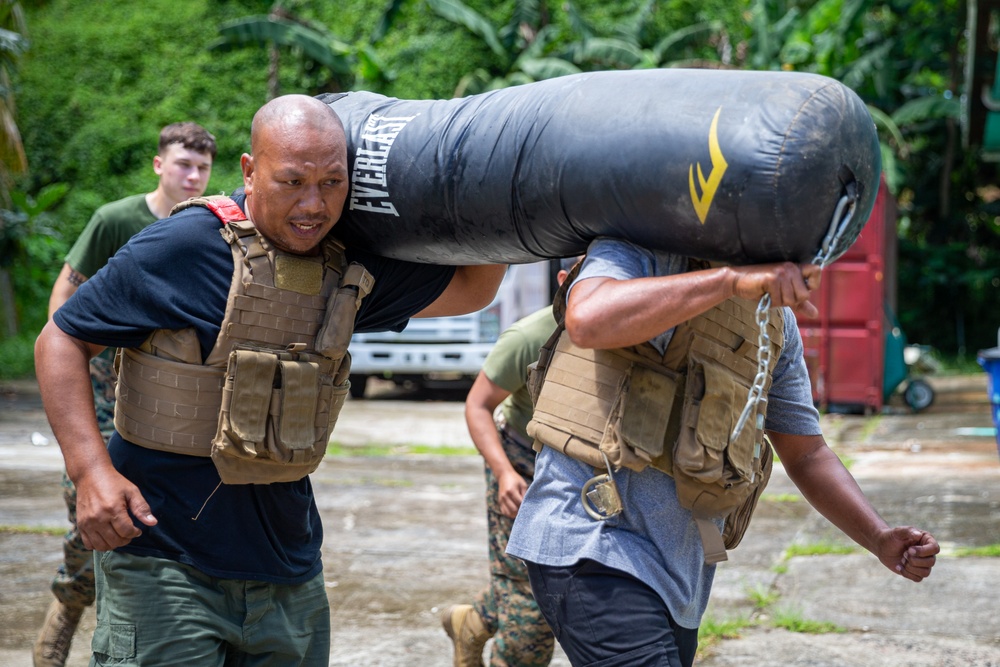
(763, 317)
(823, 257)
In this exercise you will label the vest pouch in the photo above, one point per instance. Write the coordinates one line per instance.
(294, 421)
(338, 396)
(246, 400)
(334, 335)
(739, 520)
(310, 396)
(648, 407)
(274, 424)
(335, 332)
(711, 474)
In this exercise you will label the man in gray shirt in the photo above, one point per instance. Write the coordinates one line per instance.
(631, 589)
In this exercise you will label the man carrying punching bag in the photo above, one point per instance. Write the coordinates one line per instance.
(233, 319)
(648, 384)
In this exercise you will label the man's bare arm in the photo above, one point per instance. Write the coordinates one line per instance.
(484, 397)
(604, 313)
(472, 288)
(832, 490)
(105, 499)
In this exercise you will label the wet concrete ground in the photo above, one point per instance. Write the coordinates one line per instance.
(405, 536)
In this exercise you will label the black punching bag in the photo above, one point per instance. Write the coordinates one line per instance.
(737, 166)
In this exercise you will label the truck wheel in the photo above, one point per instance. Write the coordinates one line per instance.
(918, 395)
(358, 384)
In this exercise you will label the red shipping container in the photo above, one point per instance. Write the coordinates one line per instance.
(845, 345)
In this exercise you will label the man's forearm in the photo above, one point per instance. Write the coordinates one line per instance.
(63, 372)
(831, 489)
(641, 308)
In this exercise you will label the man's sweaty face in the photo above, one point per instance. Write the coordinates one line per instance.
(296, 182)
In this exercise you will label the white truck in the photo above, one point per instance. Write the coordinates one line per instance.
(441, 351)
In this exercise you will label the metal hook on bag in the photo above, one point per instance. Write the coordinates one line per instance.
(837, 228)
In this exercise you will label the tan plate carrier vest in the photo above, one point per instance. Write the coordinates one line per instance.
(674, 412)
(264, 402)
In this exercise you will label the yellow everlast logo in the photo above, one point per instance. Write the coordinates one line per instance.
(711, 184)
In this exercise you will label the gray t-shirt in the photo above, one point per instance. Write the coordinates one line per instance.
(654, 539)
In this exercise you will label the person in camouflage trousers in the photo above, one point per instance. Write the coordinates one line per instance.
(497, 411)
(507, 602)
(183, 164)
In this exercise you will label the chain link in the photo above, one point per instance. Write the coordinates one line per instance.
(763, 317)
(837, 228)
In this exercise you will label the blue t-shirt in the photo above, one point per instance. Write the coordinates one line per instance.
(174, 274)
(654, 539)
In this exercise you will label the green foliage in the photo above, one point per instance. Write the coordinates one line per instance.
(380, 450)
(100, 78)
(28, 219)
(17, 355)
(818, 549)
(13, 43)
(634, 42)
(989, 551)
(126, 70)
(326, 62)
(519, 47)
(18, 529)
(713, 630)
(313, 42)
(537, 42)
(29, 247)
(425, 54)
(905, 60)
(762, 596)
(792, 620)
(951, 280)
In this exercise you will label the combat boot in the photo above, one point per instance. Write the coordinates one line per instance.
(468, 632)
(52, 645)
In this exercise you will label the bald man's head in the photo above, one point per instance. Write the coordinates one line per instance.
(293, 113)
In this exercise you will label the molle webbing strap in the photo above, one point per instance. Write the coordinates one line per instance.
(167, 405)
(243, 236)
(277, 317)
(333, 253)
(711, 541)
(732, 325)
(583, 385)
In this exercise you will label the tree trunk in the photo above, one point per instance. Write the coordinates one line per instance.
(8, 310)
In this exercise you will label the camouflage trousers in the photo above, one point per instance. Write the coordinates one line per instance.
(521, 636)
(73, 584)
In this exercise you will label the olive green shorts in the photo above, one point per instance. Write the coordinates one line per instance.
(154, 611)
